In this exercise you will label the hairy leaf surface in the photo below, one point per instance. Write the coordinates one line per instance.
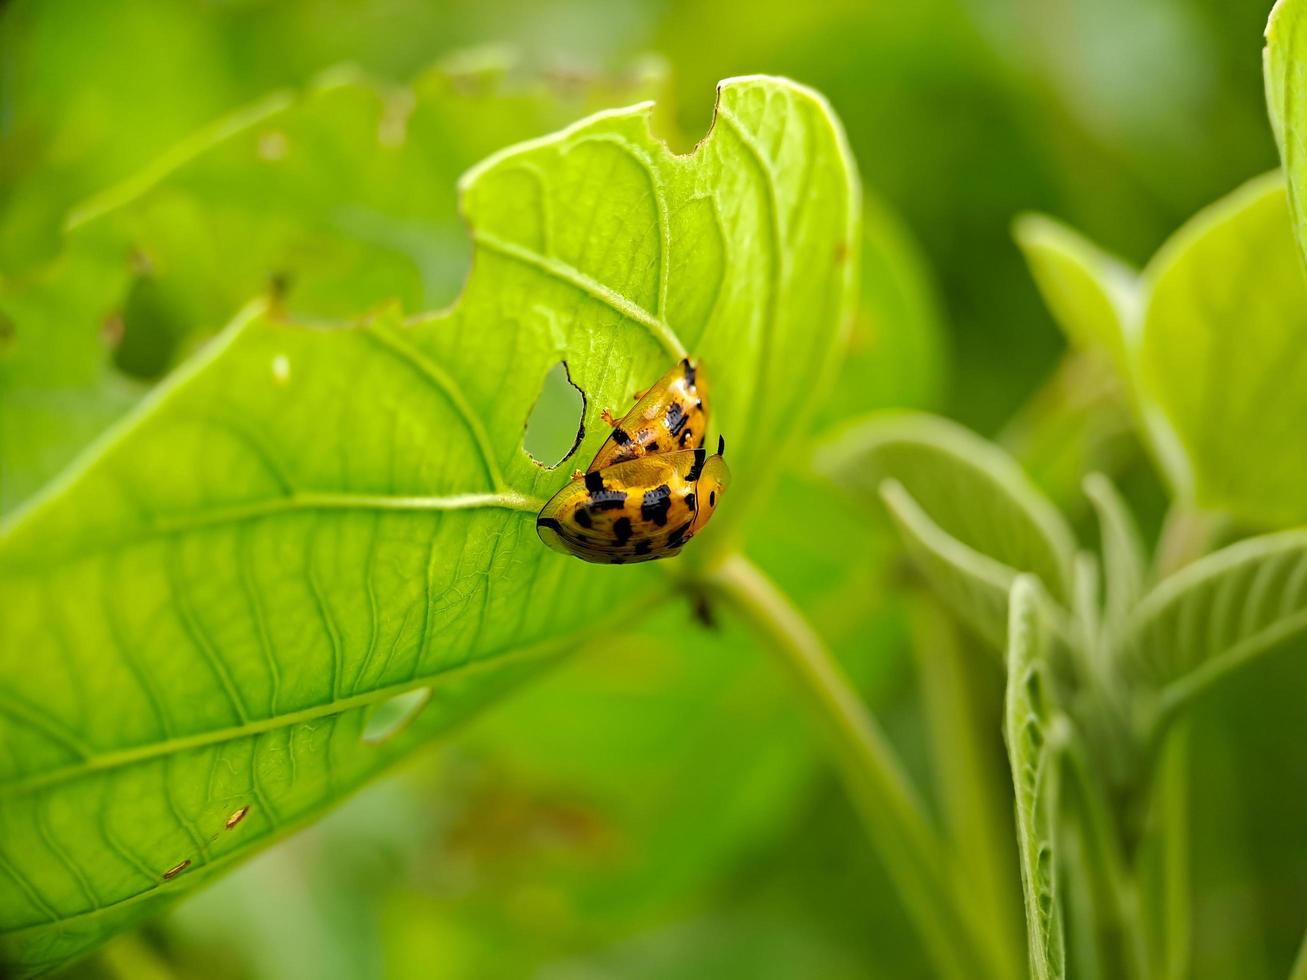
(312, 518)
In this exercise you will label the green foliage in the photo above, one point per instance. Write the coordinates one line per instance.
(389, 564)
(335, 200)
(1030, 726)
(294, 549)
(968, 512)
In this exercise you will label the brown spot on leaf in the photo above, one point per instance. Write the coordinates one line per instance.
(176, 869)
(237, 817)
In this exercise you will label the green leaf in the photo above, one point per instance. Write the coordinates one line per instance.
(1030, 727)
(1093, 296)
(1222, 353)
(1124, 557)
(1099, 303)
(1216, 615)
(973, 585)
(1282, 61)
(309, 520)
(972, 517)
(340, 197)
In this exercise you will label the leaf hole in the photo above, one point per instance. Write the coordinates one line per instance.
(556, 425)
(148, 331)
(390, 717)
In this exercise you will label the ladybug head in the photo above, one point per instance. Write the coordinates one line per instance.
(713, 481)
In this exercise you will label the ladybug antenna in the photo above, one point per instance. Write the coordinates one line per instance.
(721, 445)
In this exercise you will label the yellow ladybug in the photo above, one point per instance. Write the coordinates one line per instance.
(671, 415)
(636, 510)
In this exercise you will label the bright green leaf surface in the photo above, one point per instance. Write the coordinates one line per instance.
(967, 486)
(1029, 726)
(339, 198)
(1218, 614)
(1092, 295)
(1282, 61)
(312, 519)
(1224, 353)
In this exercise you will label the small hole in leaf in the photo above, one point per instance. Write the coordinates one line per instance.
(556, 425)
(389, 717)
(149, 328)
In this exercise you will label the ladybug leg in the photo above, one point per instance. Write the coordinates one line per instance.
(607, 416)
(577, 474)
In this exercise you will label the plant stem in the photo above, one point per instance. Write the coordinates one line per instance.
(962, 700)
(890, 809)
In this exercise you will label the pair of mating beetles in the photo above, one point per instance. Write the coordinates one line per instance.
(651, 487)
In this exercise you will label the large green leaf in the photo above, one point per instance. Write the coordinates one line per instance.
(340, 196)
(1099, 303)
(972, 518)
(1030, 726)
(1282, 61)
(1216, 615)
(310, 519)
(1223, 353)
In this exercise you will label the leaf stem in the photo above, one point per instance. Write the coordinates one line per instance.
(891, 810)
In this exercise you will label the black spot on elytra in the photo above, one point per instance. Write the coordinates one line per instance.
(652, 447)
(549, 522)
(678, 535)
(608, 500)
(690, 502)
(689, 372)
(700, 457)
(594, 482)
(657, 502)
(686, 436)
(620, 437)
(712, 498)
(622, 530)
(643, 546)
(676, 418)
(582, 517)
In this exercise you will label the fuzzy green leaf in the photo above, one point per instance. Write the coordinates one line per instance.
(1124, 556)
(1216, 615)
(1030, 727)
(973, 519)
(307, 521)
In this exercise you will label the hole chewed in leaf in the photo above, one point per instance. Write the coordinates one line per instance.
(391, 716)
(556, 425)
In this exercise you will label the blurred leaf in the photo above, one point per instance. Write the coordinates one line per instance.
(1029, 726)
(972, 584)
(1282, 65)
(220, 609)
(337, 199)
(967, 486)
(1216, 615)
(1093, 296)
(1223, 353)
(1125, 567)
(1099, 302)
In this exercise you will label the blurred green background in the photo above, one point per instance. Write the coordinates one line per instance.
(667, 814)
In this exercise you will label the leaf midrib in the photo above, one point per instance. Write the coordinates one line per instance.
(296, 501)
(180, 743)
